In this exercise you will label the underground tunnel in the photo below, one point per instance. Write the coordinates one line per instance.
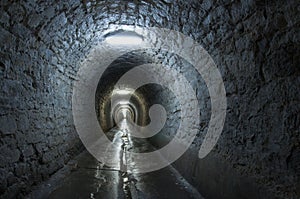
(150, 99)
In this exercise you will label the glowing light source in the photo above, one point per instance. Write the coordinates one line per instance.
(123, 91)
(125, 38)
(123, 102)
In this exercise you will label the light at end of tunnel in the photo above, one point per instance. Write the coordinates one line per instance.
(125, 38)
(124, 113)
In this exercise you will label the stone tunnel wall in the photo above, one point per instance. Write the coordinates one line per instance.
(36, 125)
(253, 43)
(255, 47)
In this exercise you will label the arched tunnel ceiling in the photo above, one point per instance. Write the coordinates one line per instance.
(252, 43)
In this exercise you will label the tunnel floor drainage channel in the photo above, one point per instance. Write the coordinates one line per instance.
(92, 179)
(125, 177)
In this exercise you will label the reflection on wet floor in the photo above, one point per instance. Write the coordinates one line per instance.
(93, 179)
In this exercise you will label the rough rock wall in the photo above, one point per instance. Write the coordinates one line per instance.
(37, 132)
(256, 47)
(260, 67)
(254, 44)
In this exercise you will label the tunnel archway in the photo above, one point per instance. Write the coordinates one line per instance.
(124, 111)
(254, 45)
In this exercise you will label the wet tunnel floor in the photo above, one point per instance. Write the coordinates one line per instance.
(92, 179)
